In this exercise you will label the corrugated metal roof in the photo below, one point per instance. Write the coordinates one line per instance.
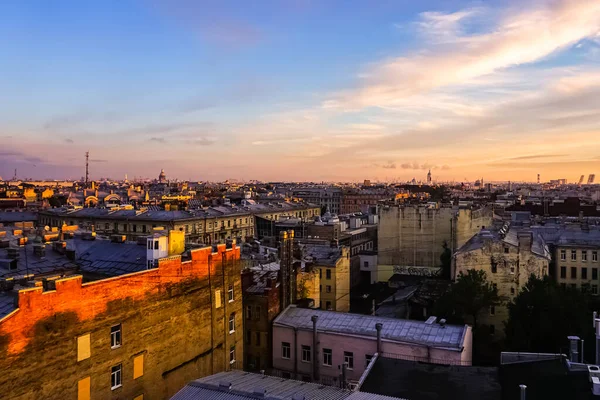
(401, 330)
(245, 384)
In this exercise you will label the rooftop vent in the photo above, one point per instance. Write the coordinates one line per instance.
(260, 392)
(224, 385)
(443, 323)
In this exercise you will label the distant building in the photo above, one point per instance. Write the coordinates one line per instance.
(355, 338)
(576, 251)
(509, 257)
(333, 264)
(429, 177)
(162, 177)
(328, 198)
(415, 236)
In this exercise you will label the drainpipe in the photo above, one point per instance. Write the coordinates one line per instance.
(378, 326)
(295, 353)
(582, 355)
(315, 371)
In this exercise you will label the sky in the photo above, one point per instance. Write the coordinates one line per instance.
(300, 90)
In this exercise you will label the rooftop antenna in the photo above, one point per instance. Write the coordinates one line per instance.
(87, 171)
(15, 177)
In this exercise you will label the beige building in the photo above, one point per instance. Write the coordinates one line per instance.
(414, 236)
(333, 266)
(577, 253)
(509, 257)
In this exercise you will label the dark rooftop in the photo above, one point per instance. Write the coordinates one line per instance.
(419, 381)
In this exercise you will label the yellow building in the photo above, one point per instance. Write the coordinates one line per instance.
(577, 259)
(333, 264)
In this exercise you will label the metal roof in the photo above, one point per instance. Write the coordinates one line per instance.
(400, 330)
(246, 385)
(538, 245)
(17, 216)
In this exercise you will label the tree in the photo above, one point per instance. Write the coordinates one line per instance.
(446, 261)
(467, 298)
(543, 314)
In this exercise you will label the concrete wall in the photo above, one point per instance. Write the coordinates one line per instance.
(414, 236)
(359, 346)
(170, 314)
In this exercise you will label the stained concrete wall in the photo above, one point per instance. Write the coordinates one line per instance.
(414, 236)
(168, 314)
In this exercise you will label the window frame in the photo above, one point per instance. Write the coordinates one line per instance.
(231, 324)
(286, 348)
(573, 255)
(116, 373)
(563, 255)
(232, 354)
(230, 294)
(116, 336)
(563, 269)
(349, 359)
(328, 356)
(306, 354)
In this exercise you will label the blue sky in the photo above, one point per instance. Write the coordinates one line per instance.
(304, 90)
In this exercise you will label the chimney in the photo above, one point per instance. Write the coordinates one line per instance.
(224, 385)
(378, 327)
(573, 348)
(525, 239)
(247, 279)
(523, 392)
(315, 371)
(70, 254)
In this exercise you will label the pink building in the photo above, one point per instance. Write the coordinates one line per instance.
(302, 336)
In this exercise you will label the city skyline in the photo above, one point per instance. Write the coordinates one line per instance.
(301, 90)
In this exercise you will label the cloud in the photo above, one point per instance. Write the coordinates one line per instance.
(389, 165)
(519, 37)
(202, 141)
(197, 104)
(69, 140)
(537, 156)
(157, 139)
(95, 160)
(68, 121)
(10, 154)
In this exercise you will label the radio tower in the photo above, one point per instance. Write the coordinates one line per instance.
(87, 171)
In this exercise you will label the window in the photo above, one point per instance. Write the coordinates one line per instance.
(328, 305)
(320, 288)
(150, 264)
(506, 250)
(138, 366)
(583, 273)
(106, 226)
(231, 354)
(230, 293)
(563, 255)
(512, 269)
(257, 313)
(144, 228)
(349, 359)
(248, 312)
(573, 272)
(594, 256)
(368, 358)
(115, 336)
(573, 255)
(248, 336)
(492, 310)
(149, 244)
(327, 357)
(134, 226)
(156, 245)
(494, 267)
(584, 255)
(328, 289)
(218, 300)
(115, 377)
(258, 338)
(594, 289)
(594, 273)
(305, 353)
(83, 347)
(512, 290)
(320, 273)
(328, 274)
(285, 350)
(366, 263)
(492, 329)
(563, 272)
(231, 322)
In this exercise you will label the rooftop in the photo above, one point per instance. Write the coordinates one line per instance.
(538, 245)
(239, 385)
(401, 330)
(419, 381)
(11, 217)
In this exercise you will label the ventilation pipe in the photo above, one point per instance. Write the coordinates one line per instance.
(573, 348)
(523, 392)
(315, 370)
(378, 326)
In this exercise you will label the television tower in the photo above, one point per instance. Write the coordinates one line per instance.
(87, 170)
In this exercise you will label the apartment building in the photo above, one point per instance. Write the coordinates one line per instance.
(136, 335)
(333, 265)
(509, 256)
(577, 253)
(313, 344)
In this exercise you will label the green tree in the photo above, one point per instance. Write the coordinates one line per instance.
(467, 298)
(543, 314)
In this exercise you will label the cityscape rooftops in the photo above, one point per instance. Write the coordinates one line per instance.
(510, 237)
(240, 385)
(401, 330)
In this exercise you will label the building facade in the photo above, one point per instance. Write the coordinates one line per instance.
(576, 254)
(416, 236)
(333, 264)
(313, 344)
(142, 335)
(509, 258)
